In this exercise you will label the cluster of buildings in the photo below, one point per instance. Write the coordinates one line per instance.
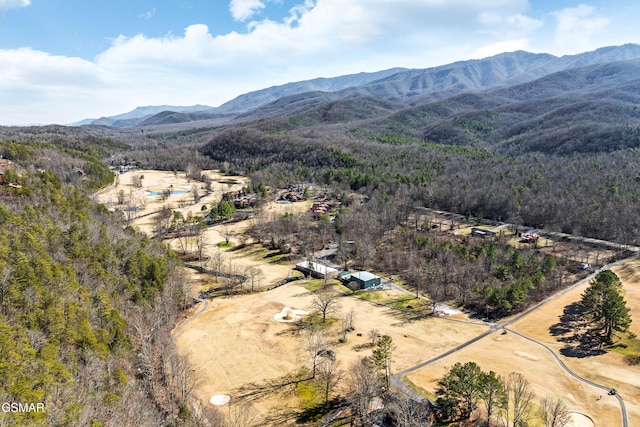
(354, 281)
(291, 196)
(240, 198)
(319, 209)
(122, 168)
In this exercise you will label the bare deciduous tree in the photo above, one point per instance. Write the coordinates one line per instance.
(346, 323)
(227, 233)
(162, 221)
(326, 302)
(406, 412)
(329, 376)
(374, 334)
(184, 377)
(554, 412)
(518, 399)
(365, 386)
(164, 194)
(242, 414)
(217, 261)
(315, 341)
(255, 275)
(136, 180)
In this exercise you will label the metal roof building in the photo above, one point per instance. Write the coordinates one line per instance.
(317, 270)
(364, 279)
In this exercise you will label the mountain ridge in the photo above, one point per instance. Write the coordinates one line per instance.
(409, 86)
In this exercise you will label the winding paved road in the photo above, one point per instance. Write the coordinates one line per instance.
(204, 307)
(398, 383)
(623, 409)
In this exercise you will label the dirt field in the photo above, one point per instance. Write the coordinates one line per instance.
(509, 352)
(237, 340)
(148, 201)
(506, 353)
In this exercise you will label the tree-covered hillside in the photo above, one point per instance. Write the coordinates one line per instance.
(86, 306)
(592, 195)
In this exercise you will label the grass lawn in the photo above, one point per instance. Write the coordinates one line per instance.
(421, 391)
(314, 285)
(396, 300)
(629, 347)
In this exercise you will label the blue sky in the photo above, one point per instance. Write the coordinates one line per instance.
(66, 60)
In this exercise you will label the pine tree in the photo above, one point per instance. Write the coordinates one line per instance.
(605, 306)
(382, 356)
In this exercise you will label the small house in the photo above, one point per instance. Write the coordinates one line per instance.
(319, 209)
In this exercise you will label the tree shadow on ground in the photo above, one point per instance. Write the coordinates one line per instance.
(408, 315)
(291, 416)
(573, 330)
(284, 385)
(362, 347)
(318, 412)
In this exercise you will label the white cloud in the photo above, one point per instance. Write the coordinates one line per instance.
(319, 38)
(13, 4)
(576, 27)
(500, 47)
(241, 10)
(36, 87)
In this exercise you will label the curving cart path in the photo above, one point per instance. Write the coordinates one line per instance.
(398, 383)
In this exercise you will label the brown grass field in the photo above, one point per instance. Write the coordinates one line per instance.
(509, 352)
(237, 342)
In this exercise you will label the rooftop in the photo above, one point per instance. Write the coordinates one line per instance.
(364, 275)
(316, 266)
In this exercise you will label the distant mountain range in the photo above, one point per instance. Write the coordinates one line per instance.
(134, 117)
(392, 90)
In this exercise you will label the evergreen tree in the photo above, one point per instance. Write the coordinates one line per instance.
(382, 356)
(605, 306)
(460, 390)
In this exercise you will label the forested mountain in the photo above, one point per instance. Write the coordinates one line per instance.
(404, 87)
(134, 117)
(86, 306)
(261, 97)
(586, 109)
(559, 152)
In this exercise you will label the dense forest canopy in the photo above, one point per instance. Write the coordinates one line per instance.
(586, 194)
(85, 305)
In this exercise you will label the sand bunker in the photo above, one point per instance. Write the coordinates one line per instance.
(290, 315)
(220, 399)
(526, 355)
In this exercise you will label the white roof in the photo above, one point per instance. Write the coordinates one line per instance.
(365, 276)
(317, 267)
